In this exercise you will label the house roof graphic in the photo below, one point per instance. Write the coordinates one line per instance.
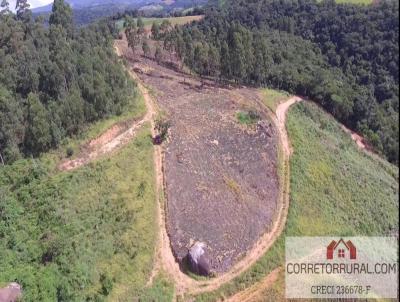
(334, 245)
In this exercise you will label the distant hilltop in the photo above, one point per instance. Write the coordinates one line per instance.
(124, 4)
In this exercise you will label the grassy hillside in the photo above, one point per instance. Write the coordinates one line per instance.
(83, 235)
(341, 188)
(335, 189)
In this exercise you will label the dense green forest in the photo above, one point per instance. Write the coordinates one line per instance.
(345, 57)
(54, 79)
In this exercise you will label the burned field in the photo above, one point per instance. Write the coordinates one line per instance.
(221, 182)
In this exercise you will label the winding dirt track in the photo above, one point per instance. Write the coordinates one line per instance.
(101, 149)
(165, 260)
(281, 112)
(252, 293)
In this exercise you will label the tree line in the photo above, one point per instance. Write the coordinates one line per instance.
(138, 38)
(135, 13)
(54, 79)
(345, 57)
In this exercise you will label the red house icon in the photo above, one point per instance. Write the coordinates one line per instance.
(341, 249)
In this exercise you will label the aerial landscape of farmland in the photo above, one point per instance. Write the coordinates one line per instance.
(174, 150)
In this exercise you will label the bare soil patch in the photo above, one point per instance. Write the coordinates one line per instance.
(116, 136)
(11, 293)
(358, 139)
(106, 136)
(221, 181)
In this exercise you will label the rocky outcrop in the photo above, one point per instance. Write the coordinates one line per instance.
(198, 260)
(11, 293)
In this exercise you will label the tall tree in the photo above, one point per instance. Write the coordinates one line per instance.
(260, 56)
(155, 30)
(165, 26)
(201, 59)
(225, 61)
(146, 49)
(132, 35)
(22, 9)
(62, 15)
(38, 135)
(140, 25)
(158, 55)
(180, 49)
(238, 57)
(213, 61)
(11, 126)
(169, 44)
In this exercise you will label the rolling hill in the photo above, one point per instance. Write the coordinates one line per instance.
(131, 4)
(87, 11)
(76, 4)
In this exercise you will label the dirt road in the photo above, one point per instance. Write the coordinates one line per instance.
(252, 293)
(281, 112)
(165, 258)
(101, 147)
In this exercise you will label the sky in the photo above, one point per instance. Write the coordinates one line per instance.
(33, 3)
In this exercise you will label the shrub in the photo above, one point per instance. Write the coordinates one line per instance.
(106, 284)
(162, 126)
(248, 118)
(70, 152)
